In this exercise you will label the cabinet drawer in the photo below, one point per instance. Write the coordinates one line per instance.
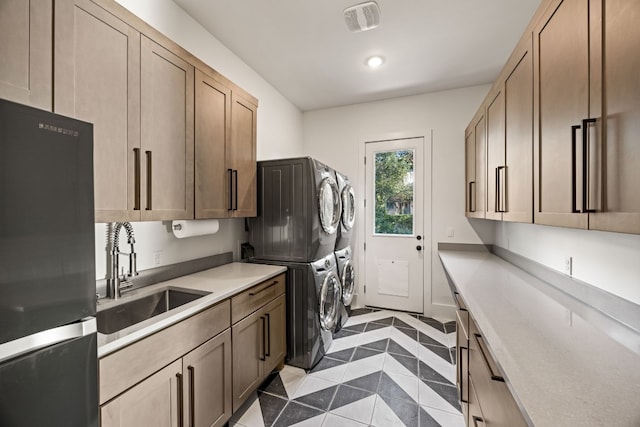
(252, 299)
(120, 370)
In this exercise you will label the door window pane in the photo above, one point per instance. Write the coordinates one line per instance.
(394, 192)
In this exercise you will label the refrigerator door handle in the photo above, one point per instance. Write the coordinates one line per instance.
(15, 348)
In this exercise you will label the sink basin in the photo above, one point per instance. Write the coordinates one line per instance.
(135, 311)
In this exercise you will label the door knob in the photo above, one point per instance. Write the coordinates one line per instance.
(419, 237)
(419, 247)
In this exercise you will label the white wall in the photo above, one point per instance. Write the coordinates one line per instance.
(610, 261)
(279, 134)
(333, 136)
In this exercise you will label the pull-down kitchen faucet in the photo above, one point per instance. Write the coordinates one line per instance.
(115, 282)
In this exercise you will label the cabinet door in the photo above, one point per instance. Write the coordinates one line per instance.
(248, 338)
(208, 383)
(614, 174)
(470, 171)
(478, 186)
(495, 156)
(561, 101)
(153, 402)
(241, 157)
(26, 52)
(167, 127)
(97, 79)
(518, 98)
(213, 130)
(275, 317)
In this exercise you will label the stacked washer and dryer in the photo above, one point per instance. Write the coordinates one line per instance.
(300, 219)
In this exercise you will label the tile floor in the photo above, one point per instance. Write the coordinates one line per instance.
(383, 369)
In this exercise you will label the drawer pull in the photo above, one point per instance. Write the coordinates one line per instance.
(257, 291)
(267, 352)
(192, 395)
(263, 356)
(478, 422)
(483, 352)
(463, 398)
(180, 400)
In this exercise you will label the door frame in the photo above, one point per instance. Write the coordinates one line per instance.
(358, 243)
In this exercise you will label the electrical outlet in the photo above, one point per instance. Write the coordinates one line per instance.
(157, 258)
(568, 265)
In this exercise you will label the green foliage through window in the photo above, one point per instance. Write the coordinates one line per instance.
(394, 192)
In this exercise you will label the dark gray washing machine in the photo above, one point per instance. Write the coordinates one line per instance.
(347, 274)
(299, 211)
(313, 295)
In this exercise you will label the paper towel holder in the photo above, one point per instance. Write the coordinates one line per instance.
(177, 227)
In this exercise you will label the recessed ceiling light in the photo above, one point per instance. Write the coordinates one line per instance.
(375, 61)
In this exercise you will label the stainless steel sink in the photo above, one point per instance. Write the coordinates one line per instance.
(135, 311)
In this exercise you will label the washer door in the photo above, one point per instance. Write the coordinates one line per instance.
(329, 205)
(348, 282)
(330, 294)
(348, 207)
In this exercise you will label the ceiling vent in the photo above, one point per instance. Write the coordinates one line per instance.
(362, 17)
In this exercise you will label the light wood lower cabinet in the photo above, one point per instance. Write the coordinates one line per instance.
(258, 338)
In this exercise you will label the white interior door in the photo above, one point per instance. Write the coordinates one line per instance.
(394, 224)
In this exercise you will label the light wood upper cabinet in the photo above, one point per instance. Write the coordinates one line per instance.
(26, 52)
(496, 167)
(241, 157)
(517, 186)
(97, 79)
(153, 402)
(614, 174)
(167, 132)
(476, 166)
(561, 101)
(213, 132)
(470, 170)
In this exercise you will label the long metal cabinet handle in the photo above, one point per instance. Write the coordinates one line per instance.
(472, 199)
(480, 342)
(263, 357)
(574, 154)
(136, 173)
(497, 193)
(235, 189)
(180, 400)
(478, 422)
(501, 196)
(149, 175)
(460, 366)
(586, 170)
(192, 396)
(267, 352)
(15, 348)
(230, 176)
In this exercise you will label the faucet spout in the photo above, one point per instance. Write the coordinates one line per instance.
(114, 280)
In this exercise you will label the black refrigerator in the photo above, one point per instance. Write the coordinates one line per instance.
(48, 339)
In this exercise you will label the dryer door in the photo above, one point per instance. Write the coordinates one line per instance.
(348, 282)
(348, 207)
(330, 294)
(329, 205)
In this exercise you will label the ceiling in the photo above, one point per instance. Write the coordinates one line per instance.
(304, 49)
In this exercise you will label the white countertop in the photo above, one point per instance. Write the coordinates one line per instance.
(561, 368)
(222, 282)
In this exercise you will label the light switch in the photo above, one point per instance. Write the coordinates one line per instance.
(450, 231)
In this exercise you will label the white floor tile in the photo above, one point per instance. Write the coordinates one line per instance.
(291, 378)
(410, 384)
(311, 385)
(438, 364)
(332, 420)
(360, 411)
(428, 397)
(369, 317)
(253, 416)
(311, 422)
(333, 374)
(383, 416)
(444, 418)
(391, 365)
(375, 335)
(405, 342)
(426, 329)
(363, 367)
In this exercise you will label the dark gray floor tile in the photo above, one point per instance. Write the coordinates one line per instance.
(346, 395)
(396, 348)
(326, 363)
(320, 399)
(447, 392)
(373, 326)
(345, 333)
(368, 382)
(409, 362)
(273, 385)
(450, 326)
(388, 387)
(426, 339)
(387, 321)
(344, 355)
(356, 328)
(362, 352)
(359, 311)
(400, 324)
(427, 420)
(440, 351)
(453, 355)
(427, 373)
(433, 323)
(377, 345)
(411, 333)
(294, 413)
(408, 412)
(271, 407)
